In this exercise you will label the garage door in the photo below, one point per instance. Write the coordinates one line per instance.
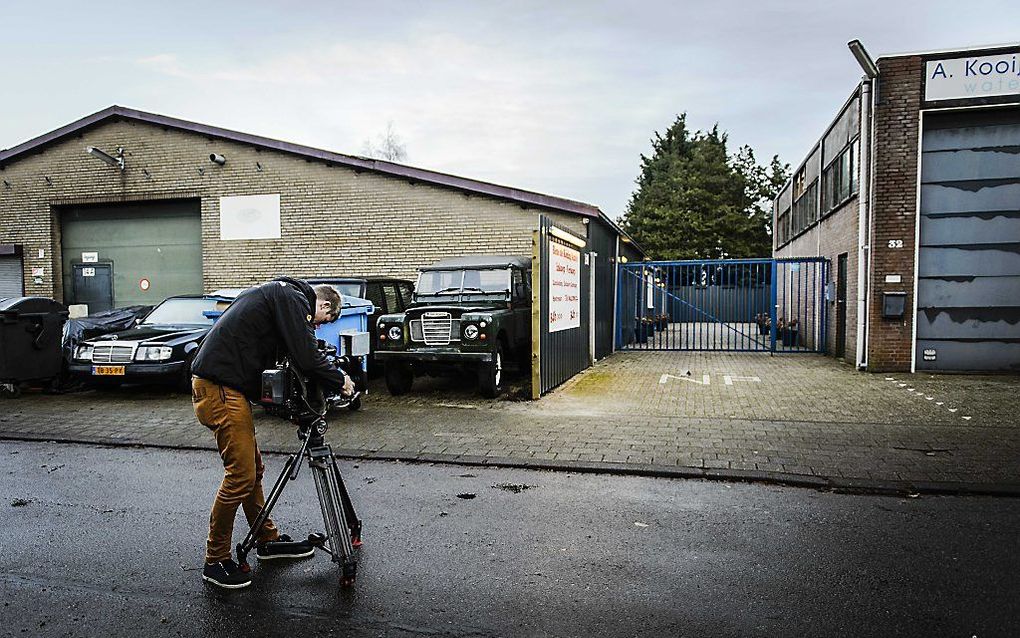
(11, 279)
(159, 243)
(968, 289)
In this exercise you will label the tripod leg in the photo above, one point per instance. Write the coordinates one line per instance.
(351, 517)
(245, 546)
(333, 516)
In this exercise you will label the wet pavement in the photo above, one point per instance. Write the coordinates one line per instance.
(108, 541)
(799, 419)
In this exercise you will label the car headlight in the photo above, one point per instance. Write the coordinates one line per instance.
(470, 331)
(394, 333)
(153, 353)
(83, 353)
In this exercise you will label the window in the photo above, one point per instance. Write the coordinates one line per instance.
(839, 179)
(437, 282)
(374, 294)
(782, 230)
(798, 183)
(392, 298)
(406, 294)
(805, 210)
(182, 311)
(520, 290)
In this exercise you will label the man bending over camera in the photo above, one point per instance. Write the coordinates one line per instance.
(261, 324)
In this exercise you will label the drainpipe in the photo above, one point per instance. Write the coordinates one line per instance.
(863, 238)
(867, 141)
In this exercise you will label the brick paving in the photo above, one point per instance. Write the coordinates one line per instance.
(800, 419)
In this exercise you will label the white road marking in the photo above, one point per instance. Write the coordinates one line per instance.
(729, 379)
(706, 379)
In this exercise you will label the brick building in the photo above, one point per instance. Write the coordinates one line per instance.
(913, 194)
(162, 206)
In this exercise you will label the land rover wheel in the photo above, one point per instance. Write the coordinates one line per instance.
(399, 378)
(490, 375)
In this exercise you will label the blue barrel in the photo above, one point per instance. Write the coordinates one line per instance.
(352, 324)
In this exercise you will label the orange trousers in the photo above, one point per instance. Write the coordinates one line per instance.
(227, 413)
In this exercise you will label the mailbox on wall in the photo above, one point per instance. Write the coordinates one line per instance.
(894, 304)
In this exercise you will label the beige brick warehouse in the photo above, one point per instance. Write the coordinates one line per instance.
(339, 214)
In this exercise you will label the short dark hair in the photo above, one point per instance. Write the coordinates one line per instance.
(327, 293)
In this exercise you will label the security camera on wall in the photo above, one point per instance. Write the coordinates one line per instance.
(117, 161)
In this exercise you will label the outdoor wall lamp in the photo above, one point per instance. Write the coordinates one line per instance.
(218, 159)
(869, 66)
(117, 160)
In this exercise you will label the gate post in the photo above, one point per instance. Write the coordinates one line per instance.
(536, 315)
(774, 311)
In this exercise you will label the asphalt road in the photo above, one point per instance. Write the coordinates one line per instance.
(109, 541)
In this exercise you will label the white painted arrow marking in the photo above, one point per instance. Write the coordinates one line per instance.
(706, 379)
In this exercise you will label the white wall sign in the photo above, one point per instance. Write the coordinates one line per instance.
(983, 76)
(90, 258)
(564, 287)
(250, 217)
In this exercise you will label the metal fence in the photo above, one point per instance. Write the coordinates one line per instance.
(747, 305)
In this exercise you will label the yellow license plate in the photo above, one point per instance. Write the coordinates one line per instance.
(108, 370)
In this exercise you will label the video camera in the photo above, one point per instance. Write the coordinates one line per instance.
(289, 394)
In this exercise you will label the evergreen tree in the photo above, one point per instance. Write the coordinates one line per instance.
(695, 201)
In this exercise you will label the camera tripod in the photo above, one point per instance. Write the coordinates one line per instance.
(343, 527)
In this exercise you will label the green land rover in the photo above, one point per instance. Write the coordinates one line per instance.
(469, 312)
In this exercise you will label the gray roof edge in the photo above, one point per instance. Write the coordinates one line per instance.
(621, 232)
(482, 261)
(380, 166)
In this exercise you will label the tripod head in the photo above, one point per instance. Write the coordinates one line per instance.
(313, 428)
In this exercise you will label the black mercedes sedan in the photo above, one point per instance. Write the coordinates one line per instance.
(157, 350)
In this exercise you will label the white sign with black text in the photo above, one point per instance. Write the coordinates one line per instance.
(564, 287)
(979, 76)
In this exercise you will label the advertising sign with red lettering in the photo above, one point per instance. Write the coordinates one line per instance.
(564, 287)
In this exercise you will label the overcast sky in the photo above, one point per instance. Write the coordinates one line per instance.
(555, 97)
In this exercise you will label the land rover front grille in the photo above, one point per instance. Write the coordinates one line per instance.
(113, 354)
(439, 329)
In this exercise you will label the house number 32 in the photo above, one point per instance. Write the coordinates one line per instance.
(895, 243)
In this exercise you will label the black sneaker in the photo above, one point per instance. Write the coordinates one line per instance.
(284, 547)
(227, 574)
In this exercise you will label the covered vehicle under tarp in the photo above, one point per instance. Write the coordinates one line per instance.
(100, 323)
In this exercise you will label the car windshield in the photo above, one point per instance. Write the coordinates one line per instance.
(184, 311)
(346, 289)
(453, 282)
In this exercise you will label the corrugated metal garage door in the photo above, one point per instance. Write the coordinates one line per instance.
(968, 294)
(157, 241)
(11, 278)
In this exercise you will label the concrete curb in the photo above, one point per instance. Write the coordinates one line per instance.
(891, 487)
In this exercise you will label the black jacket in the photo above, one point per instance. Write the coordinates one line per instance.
(262, 323)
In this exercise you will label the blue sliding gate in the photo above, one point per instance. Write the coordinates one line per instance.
(745, 305)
